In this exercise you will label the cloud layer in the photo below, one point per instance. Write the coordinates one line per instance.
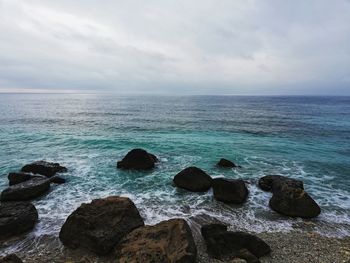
(176, 47)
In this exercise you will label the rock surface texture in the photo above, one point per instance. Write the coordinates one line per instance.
(193, 179)
(229, 190)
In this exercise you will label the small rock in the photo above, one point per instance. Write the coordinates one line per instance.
(16, 178)
(45, 168)
(101, 224)
(16, 218)
(227, 164)
(193, 179)
(229, 190)
(138, 159)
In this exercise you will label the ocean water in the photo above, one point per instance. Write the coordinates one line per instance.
(302, 137)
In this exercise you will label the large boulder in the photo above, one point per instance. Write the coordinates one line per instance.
(229, 190)
(48, 169)
(224, 163)
(294, 202)
(274, 183)
(138, 159)
(226, 245)
(101, 224)
(18, 177)
(16, 218)
(193, 179)
(27, 190)
(168, 241)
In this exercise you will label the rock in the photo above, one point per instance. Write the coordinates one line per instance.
(16, 218)
(138, 159)
(225, 245)
(168, 241)
(294, 202)
(25, 191)
(229, 190)
(227, 164)
(193, 179)
(101, 224)
(275, 182)
(45, 168)
(12, 258)
(16, 178)
(57, 180)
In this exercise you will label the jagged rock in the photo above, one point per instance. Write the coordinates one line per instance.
(229, 190)
(45, 168)
(193, 179)
(225, 245)
(138, 159)
(16, 178)
(12, 258)
(25, 191)
(227, 164)
(168, 241)
(101, 224)
(275, 182)
(16, 218)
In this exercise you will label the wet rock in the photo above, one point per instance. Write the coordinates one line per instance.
(16, 218)
(227, 164)
(229, 190)
(138, 159)
(274, 183)
(294, 202)
(226, 245)
(57, 180)
(101, 224)
(193, 179)
(168, 241)
(45, 168)
(20, 177)
(25, 191)
(12, 258)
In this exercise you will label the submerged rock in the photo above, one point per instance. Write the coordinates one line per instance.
(16, 218)
(45, 168)
(226, 245)
(25, 191)
(12, 258)
(274, 183)
(101, 224)
(20, 177)
(227, 164)
(168, 241)
(138, 159)
(193, 179)
(229, 190)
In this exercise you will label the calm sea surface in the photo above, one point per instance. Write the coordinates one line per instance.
(302, 137)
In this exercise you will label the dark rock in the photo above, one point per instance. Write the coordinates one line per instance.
(227, 164)
(57, 180)
(275, 182)
(12, 258)
(27, 190)
(16, 178)
(101, 224)
(16, 218)
(45, 168)
(168, 241)
(226, 245)
(229, 190)
(193, 179)
(294, 202)
(138, 159)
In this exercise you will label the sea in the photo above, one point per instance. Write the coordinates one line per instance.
(306, 138)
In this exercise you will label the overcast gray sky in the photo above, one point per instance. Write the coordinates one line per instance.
(176, 47)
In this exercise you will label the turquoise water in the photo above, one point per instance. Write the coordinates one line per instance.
(301, 137)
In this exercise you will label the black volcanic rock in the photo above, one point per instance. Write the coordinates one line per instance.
(57, 180)
(227, 164)
(16, 218)
(229, 190)
(45, 168)
(101, 224)
(193, 179)
(25, 191)
(138, 159)
(18, 177)
(275, 182)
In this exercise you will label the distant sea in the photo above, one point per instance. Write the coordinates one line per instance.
(307, 138)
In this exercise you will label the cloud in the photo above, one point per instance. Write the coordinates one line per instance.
(196, 47)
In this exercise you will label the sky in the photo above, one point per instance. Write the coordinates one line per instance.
(247, 47)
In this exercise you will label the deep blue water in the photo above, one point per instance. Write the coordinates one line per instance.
(301, 137)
